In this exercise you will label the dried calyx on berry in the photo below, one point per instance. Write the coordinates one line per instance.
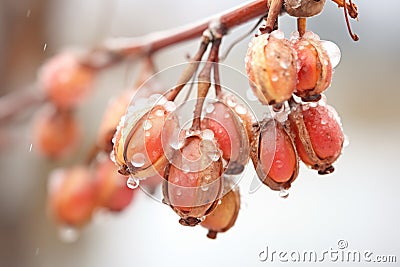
(275, 159)
(138, 147)
(315, 69)
(271, 67)
(318, 134)
(193, 182)
(303, 8)
(224, 216)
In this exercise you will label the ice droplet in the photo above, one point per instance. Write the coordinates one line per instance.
(213, 155)
(159, 113)
(138, 160)
(240, 109)
(185, 168)
(45, 47)
(333, 52)
(284, 65)
(278, 34)
(346, 141)
(250, 95)
(231, 101)
(132, 182)
(170, 106)
(204, 188)
(68, 234)
(210, 108)
(226, 116)
(275, 77)
(207, 134)
(279, 164)
(283, 193)
(147, 125)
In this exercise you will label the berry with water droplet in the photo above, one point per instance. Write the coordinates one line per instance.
(72, 195)
(315, 69)
(271, 68)
(138, 147)
(318, 135)
(276, 160)
(55, 132)
(193, 193)
(112, 191)
(65, 80)
(224, 216)
(231, 136)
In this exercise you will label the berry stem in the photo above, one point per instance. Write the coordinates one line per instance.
(273, 13)
(204, 83)
(301, 26)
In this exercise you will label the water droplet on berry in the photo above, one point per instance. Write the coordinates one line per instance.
(207, 178)
(333, 52)
(159, 113)
(178, 193)
(278, 34)
(346, 141)
(231, 101)
(185, 168)
(283, 193)
(213, 155)
(138, 160)
(250, 95)
(147, 134)
(207, 134)
(147, 125)
(210, 108)
(204, 188)
(68, 234)
(284, 65)
(170, 106)
(132, 182)
(275, 77)
(240, 109)
(279, 164)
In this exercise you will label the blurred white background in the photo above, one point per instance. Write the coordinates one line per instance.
(357, 203)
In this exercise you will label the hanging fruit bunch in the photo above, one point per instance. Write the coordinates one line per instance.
(142, 139)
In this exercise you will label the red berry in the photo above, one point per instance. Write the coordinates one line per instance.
(193, 182)
(318, 135)
(230, 135)
(65, 80)
(72, 195)
(276, 163)
(56, 132)
(111, 187)
(271, 68)
(315, 69)
(224, 216)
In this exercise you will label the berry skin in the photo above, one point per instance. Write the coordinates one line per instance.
(271, 68)
(318, 135)
(112, 191)
(276, 162)
(224, 216)
(72, 195)
(56, 132)
(315, 68)
(65, 80)
(230, 135)
(193, 182)
(138, 145)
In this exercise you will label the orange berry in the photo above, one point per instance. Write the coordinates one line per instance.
(56, 132)
(72, 195)
(65, 80)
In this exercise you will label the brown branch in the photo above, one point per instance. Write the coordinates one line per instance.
(117, 49)
(15, 103)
